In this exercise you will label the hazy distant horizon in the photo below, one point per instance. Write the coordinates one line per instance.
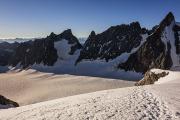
(12, 40)
(34, 19)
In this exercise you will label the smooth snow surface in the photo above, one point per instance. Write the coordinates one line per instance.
(132, 103)
(29, 86)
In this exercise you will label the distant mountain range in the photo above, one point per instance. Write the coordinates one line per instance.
(127, 47)
(19, 40)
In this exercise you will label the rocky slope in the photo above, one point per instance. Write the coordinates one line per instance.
(6, 52)
(112, 42)
(159, 50)
(126, 47)
(42, 51)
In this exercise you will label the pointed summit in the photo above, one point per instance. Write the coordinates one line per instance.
(169, 16)
(52, 35)
(167, 20)
(92, 34)
(67, 32)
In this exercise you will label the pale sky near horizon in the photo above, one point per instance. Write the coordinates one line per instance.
(38, 18)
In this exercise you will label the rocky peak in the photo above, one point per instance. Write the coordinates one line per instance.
(112, 42)
(67, 32)
(43, 50)
(166, 22)
(156, 51)
(169, 18)
(92, 37)
(135, 25)
(52, 36)
(93, 34)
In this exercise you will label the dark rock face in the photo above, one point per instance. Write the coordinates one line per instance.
(112, 43)
(177, 38)
(6, 102)
(41, 50)
(6, 52)
(67, 35)
(155, 52)
(152, 54)
(151, 78)
(31, 52)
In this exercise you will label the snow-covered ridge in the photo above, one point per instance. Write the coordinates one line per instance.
(65, 64)
(168, 37)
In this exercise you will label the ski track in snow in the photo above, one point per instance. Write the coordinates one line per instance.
(135, 103)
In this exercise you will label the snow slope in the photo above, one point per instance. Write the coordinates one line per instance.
(29, 86)
(168, 37)
(143, 102)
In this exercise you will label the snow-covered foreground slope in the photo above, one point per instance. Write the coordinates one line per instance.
(29, 86)
(143, 102)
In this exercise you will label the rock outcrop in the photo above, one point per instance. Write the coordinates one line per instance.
(150, 78)
(6, 103)
(6, 52)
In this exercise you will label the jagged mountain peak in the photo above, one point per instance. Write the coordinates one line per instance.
(92, 34)
(159, 50)
(67, 32)
(132, 47)
(169, 17)
(112, 42)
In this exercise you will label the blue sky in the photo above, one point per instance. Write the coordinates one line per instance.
(37, 18)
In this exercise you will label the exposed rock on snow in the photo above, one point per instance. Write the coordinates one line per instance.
(6, 103)
(151, 77)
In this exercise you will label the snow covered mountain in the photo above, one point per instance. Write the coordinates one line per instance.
(43, 51)
(113, 42)
(123, 47)
(156, 48)
(161, 49)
